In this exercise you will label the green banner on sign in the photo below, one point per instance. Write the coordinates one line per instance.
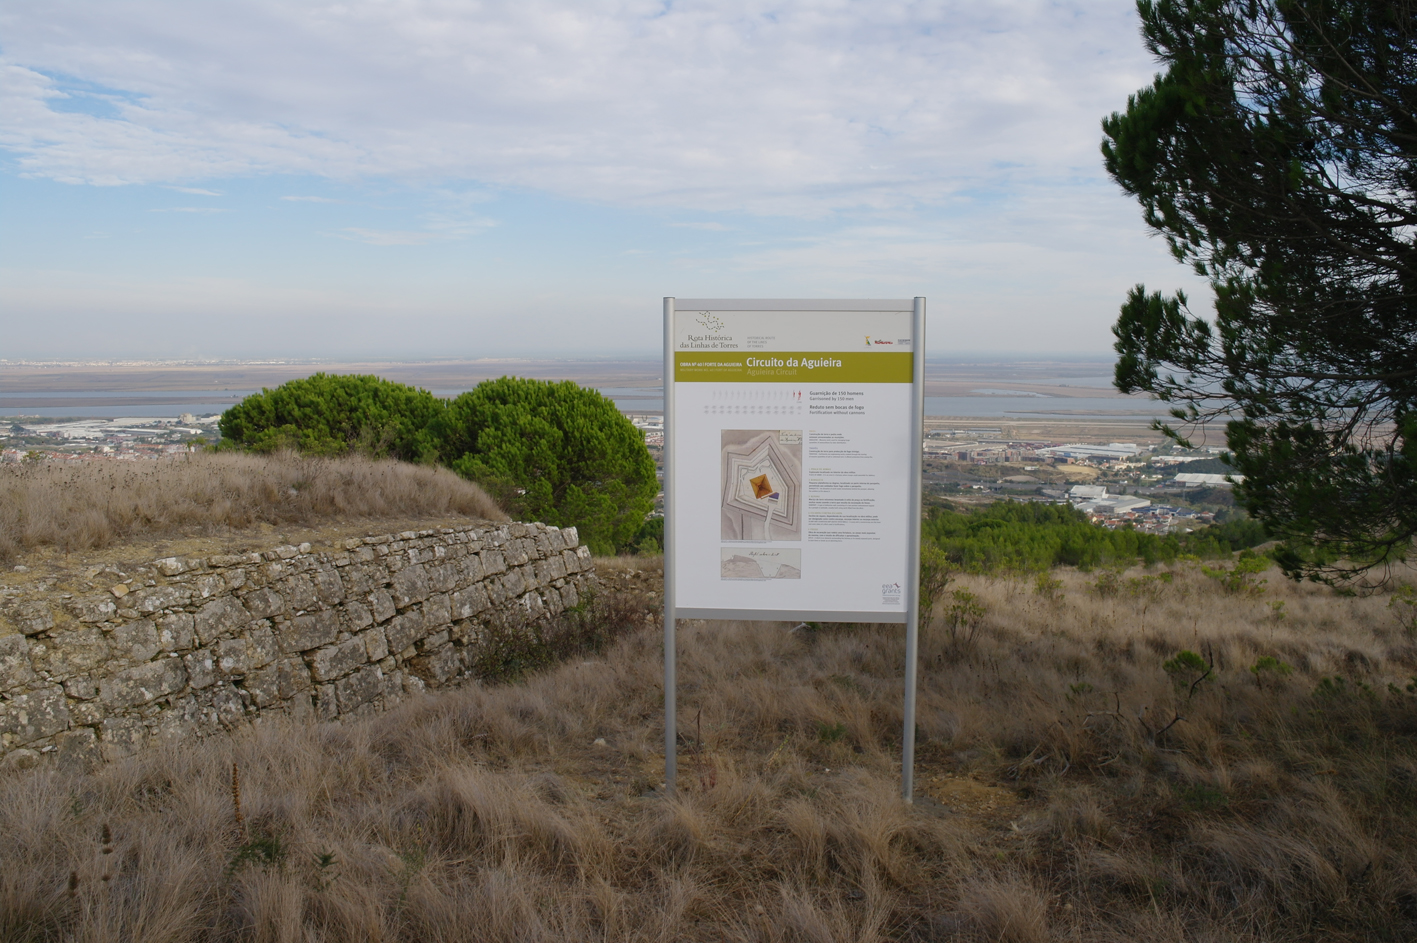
(715, 366)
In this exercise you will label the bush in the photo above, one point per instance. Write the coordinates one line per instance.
(1023, 537)
(328, 414)
(553, 452)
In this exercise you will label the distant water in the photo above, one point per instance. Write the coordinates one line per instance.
(999, 405)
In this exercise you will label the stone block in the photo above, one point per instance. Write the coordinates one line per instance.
(205, 587)
(303, 633)
(376, 645)
(326, 707)
(554, 539)
(435, 641)
(220, 618)
(293, 677)
(405, 629)
(528, 574)
(234, 579)
(492, 562)
(135, 641)
(360, 580)
(551, 596)
(438, 610)
(180, 723)
(264, 603)
(98, 608)
(15, 670)
(157, 598)
(511, 584)
(264, 686)
(532, 604)
(172, 566)
(442, 577)
(515, 553)
(549, 571)
(469, 602)
(571, 537)
(84, 687)
(570, 598)
(358, 616)
(176, 632)
(77, 750)
(143, 684)
(382, 605)
(410, 586)
(336, 661)
(31, 618)
(71, 653)
(359, 688)
(234, 657)
(86, 713)
(439, 666)
(26, 718)
(299, 593)
(471, 567)
(229, 705)
(19, 759)
(570, 561)
(122, 736)
(201, 668)
(329, 588)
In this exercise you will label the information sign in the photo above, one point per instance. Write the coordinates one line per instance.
(792, 463)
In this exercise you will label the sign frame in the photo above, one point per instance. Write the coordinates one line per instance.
(910, 617)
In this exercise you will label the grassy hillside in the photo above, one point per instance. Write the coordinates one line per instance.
(1078, 779)
(91, 505)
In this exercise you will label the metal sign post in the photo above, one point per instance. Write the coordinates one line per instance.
(793, 433)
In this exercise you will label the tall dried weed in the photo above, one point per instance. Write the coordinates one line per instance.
(1070, 789)
(89, 505)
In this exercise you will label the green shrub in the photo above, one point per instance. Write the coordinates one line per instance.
(553, 452)
(1022, 537)
(329, 414)
(1242, 578)
(1404, 605)
(1267, 666)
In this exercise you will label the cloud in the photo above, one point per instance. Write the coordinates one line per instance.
(196, 191)
(711, 227)
(310, 199)
(714, 105)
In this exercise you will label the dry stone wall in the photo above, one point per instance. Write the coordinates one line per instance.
(192, 646)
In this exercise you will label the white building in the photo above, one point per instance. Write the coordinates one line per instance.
(1196, 480)
(1113, 450)
(1094, 499)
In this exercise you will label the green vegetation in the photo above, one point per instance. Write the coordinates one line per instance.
(1275, 155)
(1010, 535)
(554, 452)
(329, 414)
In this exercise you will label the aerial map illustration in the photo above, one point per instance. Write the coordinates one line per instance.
(761, 484)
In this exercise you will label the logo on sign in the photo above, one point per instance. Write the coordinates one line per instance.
(890, 594)
(710, 323)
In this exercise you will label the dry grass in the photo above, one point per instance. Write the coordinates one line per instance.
(1061, 810)
(91, 505)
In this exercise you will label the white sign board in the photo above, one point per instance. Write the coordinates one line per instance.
(794, 437)
(792, 471)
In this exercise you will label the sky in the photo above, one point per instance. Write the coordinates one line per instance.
(408, 179)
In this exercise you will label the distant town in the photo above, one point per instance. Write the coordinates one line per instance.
(1156, 488)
